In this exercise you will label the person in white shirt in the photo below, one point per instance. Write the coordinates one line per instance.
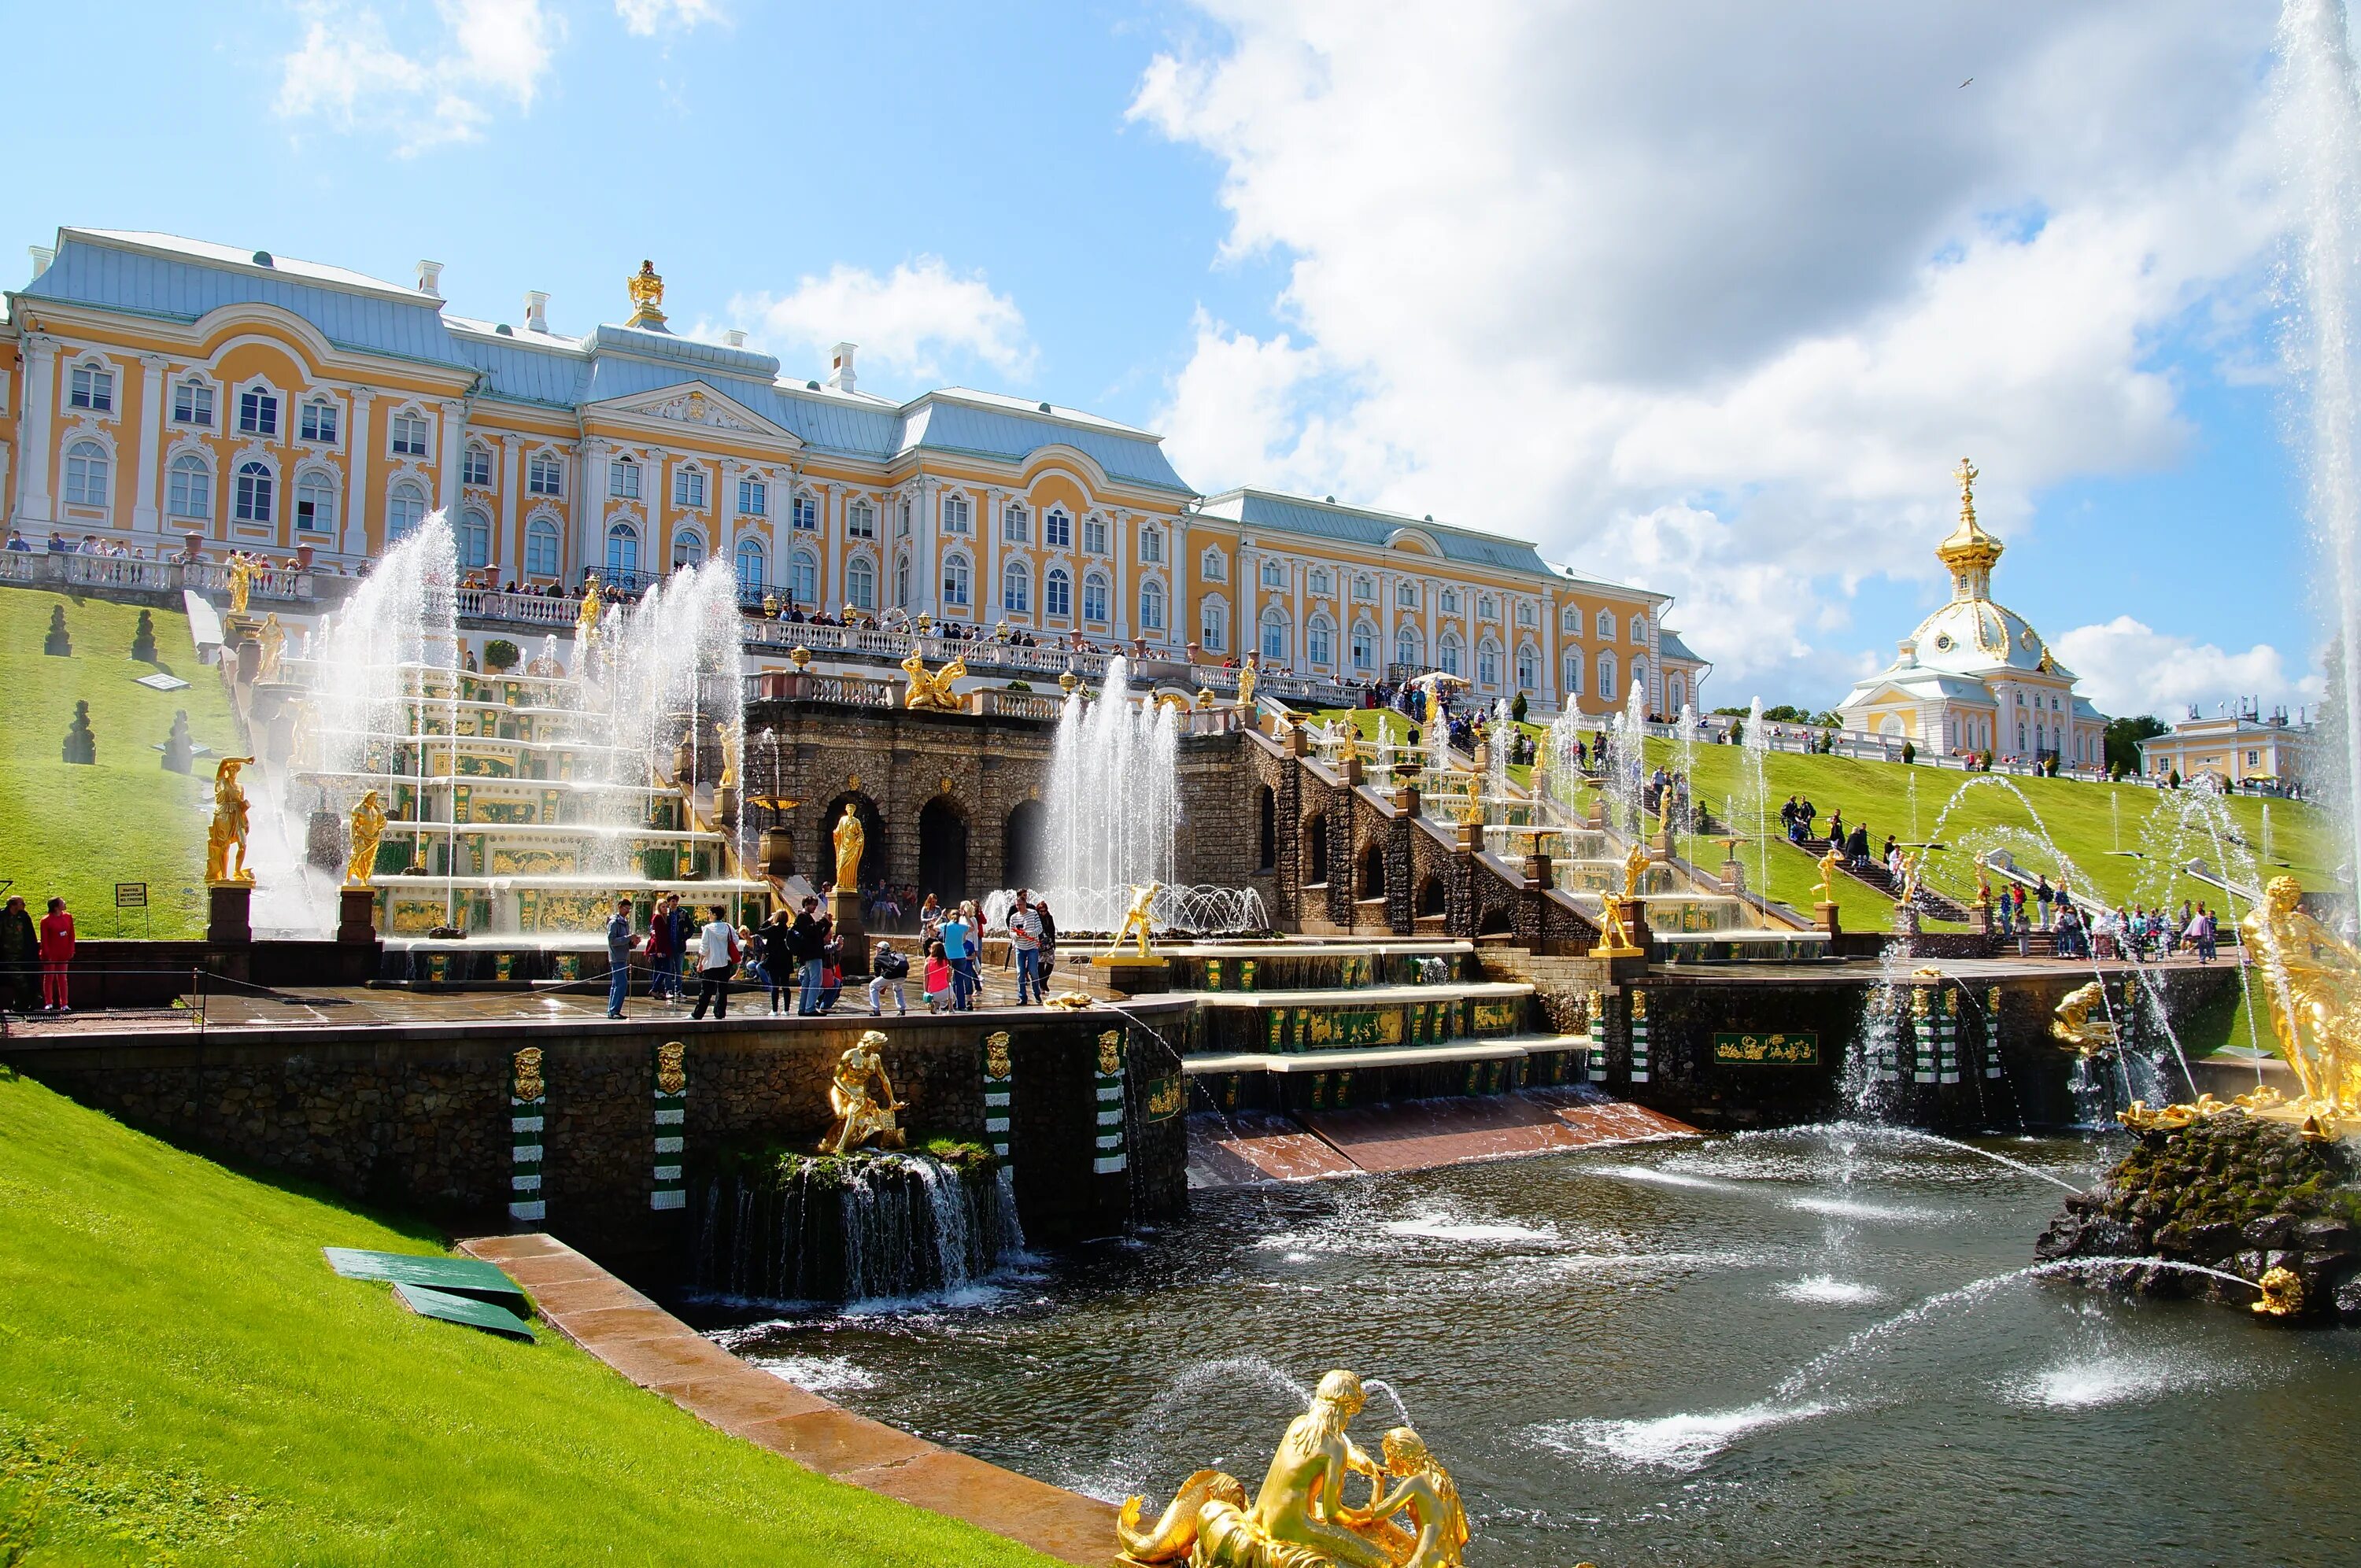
(716, 963)
(1024, 939)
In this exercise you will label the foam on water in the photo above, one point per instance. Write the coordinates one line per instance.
(2088, 1382)
(1826, 1290)
(1648, 1173)
(1436, 1227)
(1855, 1208)
(818, 1374)
(1680, 1442)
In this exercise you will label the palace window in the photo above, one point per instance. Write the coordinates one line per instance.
(319, 423)
(192, 403)
(541, 548)
(1405, 594)
(1488, 607)
(1321, 580)
(315, 502)
(253, 493)
(1151, 606)
(1320, 641)
(86, 473)
(689, 487)
(803, 577)
(545, 475)
(753, 498)
(1528, 668)
(258, 414)
(1015, 588)
(1605, 627)
(1487, 665)
(407, 434)
(688, 547)
(955, 514)
(1016, 523)
(1365, 590)
(1607, 686)
(622, 551)
(624, 479)
(955, 581)
(1213, 566)
(1094, 536)
(861, 521)
(1094, 597)
(753, 568)
(474, 540)
(475, 463)
(1571, 621)
(1274, 636)
(902, 581)
(1365, 646)
(1525, 614)
(1151, 544)
(860, 582)
(1573, 667)
(1214, 626)
(405, 509)
(191, 494)
(1452, 654)
(1057, 530)
(1639, 629)
(803, 512)
(1407, 645)
(1057, 593)
(1675, 698)
(1274, 573)
(1451, 601)
(902, 529)
(91, 386)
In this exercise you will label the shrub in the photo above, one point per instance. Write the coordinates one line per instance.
(500, 654)
(1909, 753)
(1517, 709)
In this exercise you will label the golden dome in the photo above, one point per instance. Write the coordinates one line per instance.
(1968, 548)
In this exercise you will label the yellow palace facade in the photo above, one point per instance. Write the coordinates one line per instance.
(158, 389)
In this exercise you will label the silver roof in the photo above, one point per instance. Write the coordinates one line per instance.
(1355, 525)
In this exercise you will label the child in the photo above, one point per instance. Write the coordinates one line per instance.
(886, 968)
(938, 978)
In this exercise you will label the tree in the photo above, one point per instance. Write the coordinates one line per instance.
(2124, 735)
(1909, 753)
(1517, 709)
(500, 655)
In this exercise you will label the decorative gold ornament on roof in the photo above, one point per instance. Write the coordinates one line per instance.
(1968, 550)
(647, 296)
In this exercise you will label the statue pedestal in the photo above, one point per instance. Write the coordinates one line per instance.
(1734, 876)
(778, 850)
(226, 925)
(1980, 919)
(357, 915)
(844, 907)
(1634, 915)
(1905, 920)
(1825, 916)
(1128, 974)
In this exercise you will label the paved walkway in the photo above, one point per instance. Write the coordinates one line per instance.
(660, 1354)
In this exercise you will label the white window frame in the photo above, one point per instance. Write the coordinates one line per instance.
(90, 386)
(1097, 598)
(958, 581)
(861, 521)
(956, 512)
(1152, 599)
(1015, 587)
(89, 474)
(803, 512)
(753, 496)
(1058, 594)
(622, 556)
(688, 547)
(200, 397)
(1015, 525)
(1094, 535)
(261, 401)
(540, 533)
(475, 472)
(1320, 641)
(751, 550)
(474, 524)
(404, 490)
(1213, 624)
(254, 499)
(1151, 545)
(409, 434)
(1213, 566)
(803, 576)
(312, 482)
(1056, 529)
(545, 475)
(189, 487)
(860, 582)
(318, 421)
(689, 487)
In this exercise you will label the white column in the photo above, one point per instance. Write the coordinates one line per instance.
(724, 500)
(926, 527)
(1549, 671)
(34, 438)
(511, 553)
(590, 502)
(358, 453)
(987, 592)
(1120, 587)
(144, 516)
(454, 439)
(655, 554)
(1300, 648)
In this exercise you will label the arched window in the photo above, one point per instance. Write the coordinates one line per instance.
(803, 577)
(405, 509)
(1094, 597)
(956, 591)
(1057, 530)
(316, 502)
(1451, 601)
(1408, 648)
(1676, 695)
(1274, 573)
(192, 403)
(1151, 544)
(1487, 665)
(92, 385)
(1365, 646)
(1151, 605)
(1525, 613)
(622, 549)
(1213, 625)
(955, 513)
(1573, 667)
(1639, 629)
(1607, 686)
(861, 521)
(1365, 590)
(1320, 641)
(688, 488)
(1571, 621)
(475, 463)
(1321, 580)
(1452, 654)
(1094, 535)
(474, 539)
(1057, 591)
(1405, 594)
(1607, 625)
(754, 568)
(541, 548)
(86, 473)
(1640, 676)
(1016, 523)
(902, 578)
(688, 545)
(860, 582)
(1528, 668)
(1213, 566)
(805, 513)
(1273, 646)
(255, 502)
(1488, 607)
(1016, 588)
(191, 491)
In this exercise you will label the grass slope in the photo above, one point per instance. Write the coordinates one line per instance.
(76, 831)
(181, 1378)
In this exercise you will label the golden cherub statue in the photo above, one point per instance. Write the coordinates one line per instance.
(242, 571)
(1135, 919)
(849, 838)
(1472, 813)
(368, 827)
(1664, 809)
(862, 1117)
(1425, 1493)
(932, 693)
(226, 835)
(1348, 748)
(2315, 992)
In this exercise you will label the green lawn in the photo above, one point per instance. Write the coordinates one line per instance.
(76, 831)
(183, 1379)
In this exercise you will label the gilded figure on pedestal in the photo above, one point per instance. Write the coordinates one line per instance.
(368, 829)
(225, 835)
(862, 1117)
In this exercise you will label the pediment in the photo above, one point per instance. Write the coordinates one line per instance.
(697, 404)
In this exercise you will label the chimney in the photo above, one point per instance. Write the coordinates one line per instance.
(430, 278)
(839, 365)
(42, 256)
(734, 337)
(536, 310)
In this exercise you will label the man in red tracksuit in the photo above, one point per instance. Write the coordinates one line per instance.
(57, 952)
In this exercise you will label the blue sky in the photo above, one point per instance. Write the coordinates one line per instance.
(1693, 298)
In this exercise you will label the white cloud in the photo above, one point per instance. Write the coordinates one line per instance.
(2127, 667)
(644, 18)
(349, 71)
(911, 321)
(1699, 295)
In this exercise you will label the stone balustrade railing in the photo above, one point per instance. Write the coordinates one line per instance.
(122, 574)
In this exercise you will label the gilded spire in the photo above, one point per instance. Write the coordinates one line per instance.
(646, 289)
(1969, 553)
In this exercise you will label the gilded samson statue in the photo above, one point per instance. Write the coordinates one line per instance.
(2314, 979)
(862, 1117)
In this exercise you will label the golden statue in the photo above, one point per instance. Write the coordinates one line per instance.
(1246, 676)
(1134, 919)
(226, 837)
(849, 837)
(671, 1067)
(1664, 809)
(1471, 813)
(2282, 1294)
(524, 1077)
(861, 1117)
(1437, 1536)
(2315, 990)
(1298, 1519)
(368, 827)
(996, 1055)
(2071, 1023)
(1825, 892)
(242, 573)
(1614, 936)
(585, 624)
(932, 693)
(273, 638)
(1205, 697)
(1348, 750)
(1069, 1001)
(733, 735)
(647, 294)
(1635, 866)
(1909, 894)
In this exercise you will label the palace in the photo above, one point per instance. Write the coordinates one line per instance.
(1974, 676)
(162, 391)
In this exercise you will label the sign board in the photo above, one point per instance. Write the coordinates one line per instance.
(1798, 1048)
(131, 895)
(1166, 1096)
